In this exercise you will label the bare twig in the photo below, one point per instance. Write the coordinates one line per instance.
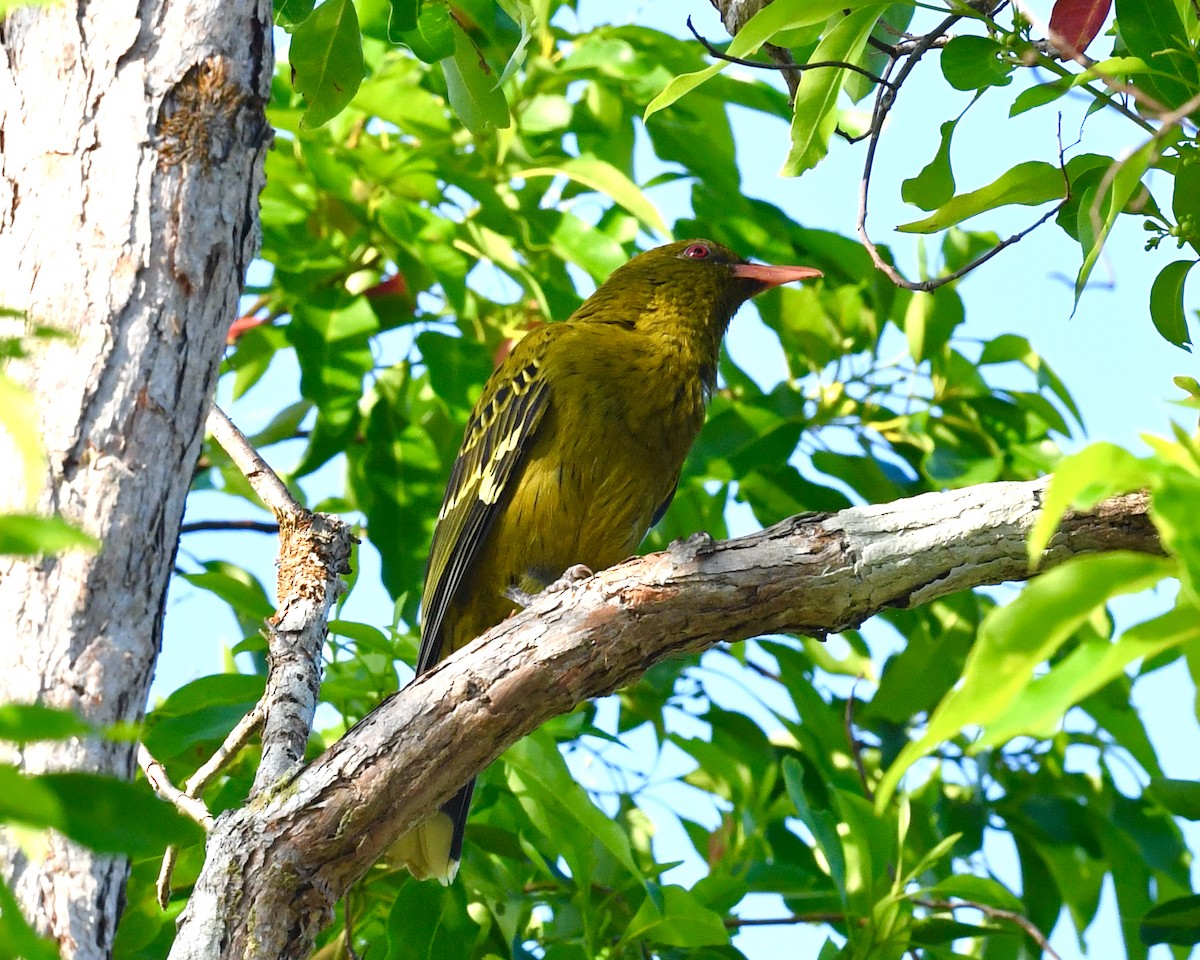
(238, 737)
(157, 777)
(996, 913)
(855, 745)
(266, 483)
(797, 67)
(735, 923)
(238, 526)
(162, 886)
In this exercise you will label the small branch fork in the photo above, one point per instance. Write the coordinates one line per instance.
(992, 913)
(314, 552)
(903, 57)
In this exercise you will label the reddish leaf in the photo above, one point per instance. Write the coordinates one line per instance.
(1075, 23)
(242, 324)
(393, 286)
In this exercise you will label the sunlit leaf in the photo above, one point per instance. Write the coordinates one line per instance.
(770, 20)
(815, 114)
(606, 179)
(1016, 638)
(327, 62)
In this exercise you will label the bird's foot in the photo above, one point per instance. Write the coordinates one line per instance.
(571, 576)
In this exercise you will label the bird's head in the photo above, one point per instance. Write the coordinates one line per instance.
(693, 287)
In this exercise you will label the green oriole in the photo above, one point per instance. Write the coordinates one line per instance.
(571, 454)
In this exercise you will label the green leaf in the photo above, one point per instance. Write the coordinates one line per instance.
(1100, 215)
(1014, 640)
(822, 824)
(770, 20)
(27, 535)
(1181, 797)
(1176, 492)
(561, 808)
(1028, 184)
(1154, 31)
(1166, 302)
(333, 348)
(18, 938)
(934, 185)
(104, 813)
(974, 63)
(327, 61)
(1040, 95)
(1185, 197)
(606, 179)
(237, 588)
(25, 722)
(1114, 68)
(472, 88)
(1081, 481)
(974, 889)
(18, 416)
(288, 13)
(930, 320)
(402, 16)
(428, 921)
(431, 38)
(1176, 922)
(1038, 709)
(680, 921)
(815, 116)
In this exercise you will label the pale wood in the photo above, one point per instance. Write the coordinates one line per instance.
(133, 143)
(276, 867)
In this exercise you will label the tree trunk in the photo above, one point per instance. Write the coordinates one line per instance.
(132, 139)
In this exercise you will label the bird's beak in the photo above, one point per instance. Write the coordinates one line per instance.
(768, 276)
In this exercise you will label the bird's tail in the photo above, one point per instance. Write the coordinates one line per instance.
(433, 848)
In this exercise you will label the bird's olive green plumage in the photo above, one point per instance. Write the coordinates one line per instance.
(572, 453)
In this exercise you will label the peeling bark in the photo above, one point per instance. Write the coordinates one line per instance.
(276, 867)
(132, 139)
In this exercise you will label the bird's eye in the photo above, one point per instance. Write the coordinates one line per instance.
(698, 251)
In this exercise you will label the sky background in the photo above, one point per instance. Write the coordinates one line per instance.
(1114, 363)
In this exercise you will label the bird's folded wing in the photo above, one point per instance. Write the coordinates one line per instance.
(498, 437)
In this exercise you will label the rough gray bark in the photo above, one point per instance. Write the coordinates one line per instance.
(276, 867)
(132, 140)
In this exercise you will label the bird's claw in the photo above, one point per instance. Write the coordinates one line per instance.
(571, 576)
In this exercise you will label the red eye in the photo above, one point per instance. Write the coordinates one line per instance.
(698, 251)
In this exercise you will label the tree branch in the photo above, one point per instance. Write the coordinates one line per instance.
(158, 778)
(276, 868)
(314, 551)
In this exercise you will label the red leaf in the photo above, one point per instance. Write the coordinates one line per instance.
(393, 286)
(1075, 23)
(242, 324)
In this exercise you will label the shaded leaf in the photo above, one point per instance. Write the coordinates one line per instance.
(1176, 922)
(1166, 302)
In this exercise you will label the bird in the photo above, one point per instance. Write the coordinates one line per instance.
(572, 452)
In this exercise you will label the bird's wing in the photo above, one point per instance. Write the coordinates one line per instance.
(498, 436)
